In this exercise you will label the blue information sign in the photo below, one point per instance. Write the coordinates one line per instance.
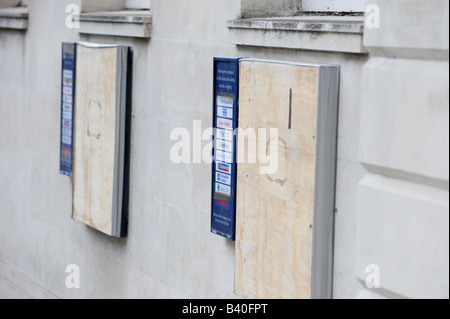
(67, 106)
(224, 170)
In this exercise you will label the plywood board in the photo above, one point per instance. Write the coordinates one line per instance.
(95, 137)
(275, 211)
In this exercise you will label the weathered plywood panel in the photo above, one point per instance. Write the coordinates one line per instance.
(275, 211)
(95, 137)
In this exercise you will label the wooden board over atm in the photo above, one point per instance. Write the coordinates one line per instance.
(277, 196)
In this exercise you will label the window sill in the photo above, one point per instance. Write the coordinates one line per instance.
(127, 23)
(14, 18)
(317, 33)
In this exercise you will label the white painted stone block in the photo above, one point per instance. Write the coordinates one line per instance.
(405, 119)
(410, 29)
(307, 33)
(403, 228)
(9, 3)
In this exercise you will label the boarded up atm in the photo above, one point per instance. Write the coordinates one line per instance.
(100, 114)
(285, 217)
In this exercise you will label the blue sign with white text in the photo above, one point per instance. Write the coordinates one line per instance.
(67, 106)
(225, 122)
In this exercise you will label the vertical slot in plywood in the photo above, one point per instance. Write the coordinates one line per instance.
(276, 195)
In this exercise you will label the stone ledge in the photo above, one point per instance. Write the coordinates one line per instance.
(127, 23)
(14, 18)
(318, 33)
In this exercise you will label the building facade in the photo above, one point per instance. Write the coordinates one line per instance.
(391, 232)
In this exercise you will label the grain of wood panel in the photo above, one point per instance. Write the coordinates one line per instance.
(95, 137)
(275, 211)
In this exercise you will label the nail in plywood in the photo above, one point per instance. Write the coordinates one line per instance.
(99, 137)
(276, 208)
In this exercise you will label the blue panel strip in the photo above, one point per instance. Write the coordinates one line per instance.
(67, 106)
